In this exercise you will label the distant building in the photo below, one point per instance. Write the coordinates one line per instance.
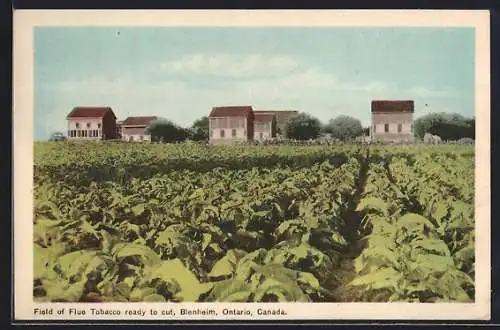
(264, 126)
(91, 123)
(392, 121)
(231, 124)
(282, 117)
(134, 128)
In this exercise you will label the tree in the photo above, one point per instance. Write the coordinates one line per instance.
(200, 129)
(57, 136)
(163, 130)
(344, 128)
(447, 126)
(303, 127)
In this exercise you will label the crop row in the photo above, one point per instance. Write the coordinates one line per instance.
(420, 245)
(199, 231)
(242, 235)
(87, 162)
(82, 163)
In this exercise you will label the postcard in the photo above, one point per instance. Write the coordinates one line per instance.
(251, 165)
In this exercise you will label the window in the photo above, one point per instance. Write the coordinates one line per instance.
(222, 133)
(88, 125)
(386, 128)
(131, 138)
(233, 132)
(77, 125)
(99, 125)
(400, 128)
(78, 133)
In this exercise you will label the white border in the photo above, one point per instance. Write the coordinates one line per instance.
(25, 20)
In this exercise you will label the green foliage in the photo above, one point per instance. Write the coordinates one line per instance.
(302, 127)
(200, 129)
(163, 130)
(344, 128)
(426, 256)
(57, 136)
(446, 126)
(266, 224)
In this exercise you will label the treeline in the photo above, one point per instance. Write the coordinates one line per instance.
(449, 127)
(300, 127)
(303, 126)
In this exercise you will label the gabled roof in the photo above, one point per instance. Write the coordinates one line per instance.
(393, 106)
(90, 112)
(138, 121)
(263, 117)
(231, 111)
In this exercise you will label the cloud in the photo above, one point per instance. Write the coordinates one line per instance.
(94, 85)
(230, 65)
(426, 92)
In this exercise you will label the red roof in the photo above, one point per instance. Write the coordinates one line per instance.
(231, 111)
(138, 121)
(393, 106)
(263, 117)
(90, 112)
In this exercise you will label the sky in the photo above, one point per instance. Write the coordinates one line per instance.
(181, 73)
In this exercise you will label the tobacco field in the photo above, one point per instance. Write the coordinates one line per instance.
(338, 223)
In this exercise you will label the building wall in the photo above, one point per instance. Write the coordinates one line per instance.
(263, 131)
(395, 121)
(109, 125)
(282, 117)
(85, 128)
(221, 129)
(135, 134)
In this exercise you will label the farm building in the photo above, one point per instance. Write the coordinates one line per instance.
(134, 128)
(231, 124)
(91, 123)
(282, 117)
(264, 126)
(392, 121)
